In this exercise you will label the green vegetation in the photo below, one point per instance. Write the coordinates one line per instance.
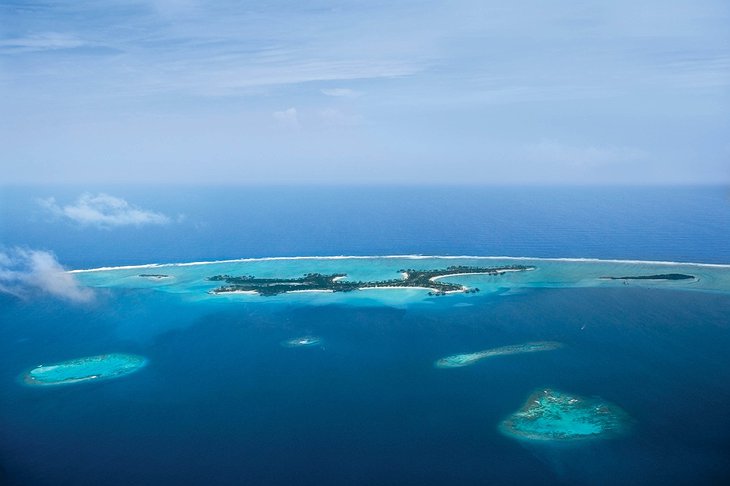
(663, 276)
(428, 279)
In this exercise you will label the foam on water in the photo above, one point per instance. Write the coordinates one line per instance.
(412, 257)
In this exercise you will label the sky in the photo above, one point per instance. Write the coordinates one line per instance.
(365, 92)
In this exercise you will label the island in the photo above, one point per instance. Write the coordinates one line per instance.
(661, 276)
(461, 360)
(551, 415)
(301, 342)
(91, 368)
(411, 278)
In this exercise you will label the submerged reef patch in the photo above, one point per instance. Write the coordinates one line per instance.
(91, 368)
(467, 359)
(550, 415)
(301, 342)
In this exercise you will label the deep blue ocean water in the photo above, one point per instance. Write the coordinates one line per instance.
(643, 223)
(221, 402)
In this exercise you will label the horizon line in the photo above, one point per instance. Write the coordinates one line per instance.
(330, 184)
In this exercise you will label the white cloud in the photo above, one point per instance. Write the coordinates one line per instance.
(22, 271)
(341, 92)
(105, 211)
(288, 118)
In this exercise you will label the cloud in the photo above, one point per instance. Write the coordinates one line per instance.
(439, 79)
(556, 153)
(287, 118)
(334, 117)
(341, 92)
(105, 211)
(190, 47)
(48, 41)
(23, 271)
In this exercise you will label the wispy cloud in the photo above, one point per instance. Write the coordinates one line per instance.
(160, 85)
(574, 156)
(208, 77)
(287, 118)
(48, 41)
(341, 92)
(24, 271)
(105, 211)
(170, 46)
(335, 117)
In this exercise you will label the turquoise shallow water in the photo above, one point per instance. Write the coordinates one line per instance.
(220, 395)
(551, 415)
(368, 384)
(78, 370)
(192, 278)
(221, 401)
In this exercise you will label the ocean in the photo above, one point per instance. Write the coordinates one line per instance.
(215, 223)
(221, 401)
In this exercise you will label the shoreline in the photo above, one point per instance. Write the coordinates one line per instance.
(496, 273)
(245, 292)
(384, 287)
(409, 257)
(387, 287)
(305, 291)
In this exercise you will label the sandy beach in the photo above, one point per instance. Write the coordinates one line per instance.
(309, 291)
(247, 292)
(392, 287)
